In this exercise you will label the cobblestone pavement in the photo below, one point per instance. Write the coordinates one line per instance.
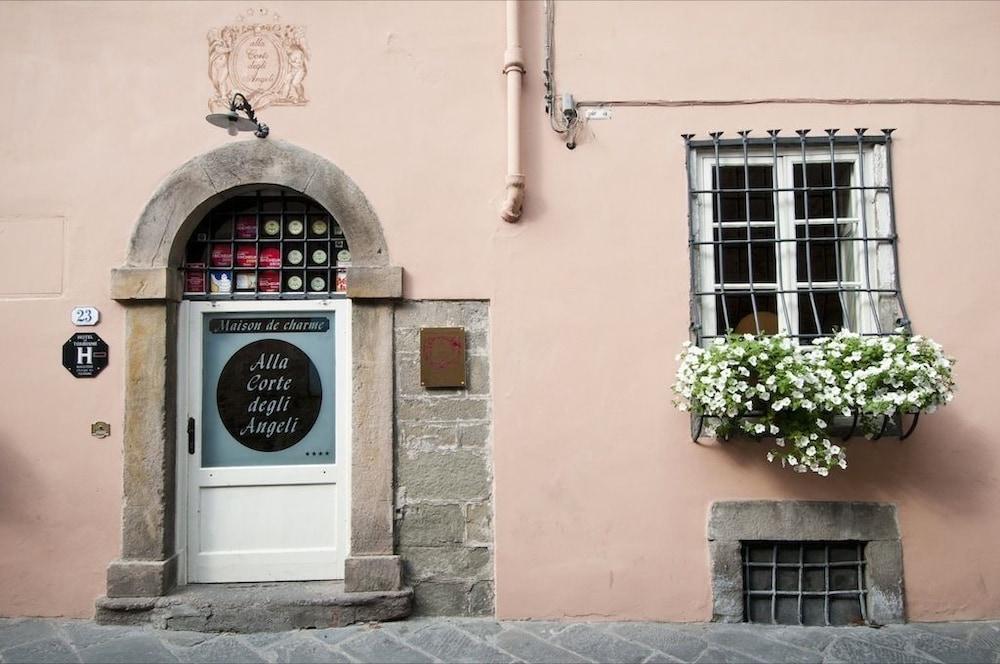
(483, 640)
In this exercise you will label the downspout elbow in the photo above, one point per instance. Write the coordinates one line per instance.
(511, 209)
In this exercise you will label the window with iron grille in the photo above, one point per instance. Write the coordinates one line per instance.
(804, 583)
(793, 234)
(268, 244)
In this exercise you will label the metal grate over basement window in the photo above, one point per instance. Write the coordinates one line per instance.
(804, 583)
(793, 234)
(268, 244)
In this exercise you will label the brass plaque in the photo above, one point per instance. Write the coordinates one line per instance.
(442, 356)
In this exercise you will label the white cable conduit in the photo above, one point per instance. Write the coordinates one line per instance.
(513, 69)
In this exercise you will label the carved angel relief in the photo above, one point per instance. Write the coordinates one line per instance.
(260, 57)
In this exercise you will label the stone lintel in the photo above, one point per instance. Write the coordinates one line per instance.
(142, 578)
(373, 573)
(145, 283)
(802, 520)
(375, 282)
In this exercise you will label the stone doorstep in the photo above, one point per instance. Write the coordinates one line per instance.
(256, 607)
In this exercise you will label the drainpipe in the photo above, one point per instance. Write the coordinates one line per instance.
(513, 69)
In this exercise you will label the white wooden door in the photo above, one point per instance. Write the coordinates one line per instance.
(267, 440)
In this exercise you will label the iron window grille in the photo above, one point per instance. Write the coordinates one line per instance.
(268, 244)
(804, 583)
(793, 234)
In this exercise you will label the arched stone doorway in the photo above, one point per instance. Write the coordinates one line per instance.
(149, 286)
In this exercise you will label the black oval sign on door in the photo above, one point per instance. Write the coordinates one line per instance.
(269, 395)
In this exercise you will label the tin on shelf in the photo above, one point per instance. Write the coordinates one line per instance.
(222, 255)
(194, 281)
(271, 228)
(270, 256)
(270, 282)
(246, 281)
(246, 255)
(246, 227)
(222, 281)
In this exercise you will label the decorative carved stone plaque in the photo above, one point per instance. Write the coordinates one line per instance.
(260, 57)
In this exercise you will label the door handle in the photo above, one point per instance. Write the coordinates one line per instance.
(190, 435)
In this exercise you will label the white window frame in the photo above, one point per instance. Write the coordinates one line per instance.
(869, 211)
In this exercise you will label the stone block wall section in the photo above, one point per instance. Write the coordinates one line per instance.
(444, 466)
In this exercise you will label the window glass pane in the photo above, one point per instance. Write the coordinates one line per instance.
(788, 578)
(813, 611)
(820, 200)
(740, 310)
(760, 609)
(760, 578)
(843, 578)
(845, 611)
(786, 610)
(731, 203)
(814, 579)
(828, 308)
(736, 263)
(823, 253)
(841, 553)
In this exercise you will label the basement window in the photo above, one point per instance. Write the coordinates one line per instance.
(804, 583)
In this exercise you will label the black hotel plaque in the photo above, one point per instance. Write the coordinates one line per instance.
(85, 354)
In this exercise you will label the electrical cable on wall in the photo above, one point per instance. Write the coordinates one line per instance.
(567, 122)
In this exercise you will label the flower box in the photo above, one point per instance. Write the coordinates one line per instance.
(804, 397)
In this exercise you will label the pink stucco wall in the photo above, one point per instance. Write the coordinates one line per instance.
(601, 499)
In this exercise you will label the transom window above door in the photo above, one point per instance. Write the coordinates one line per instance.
(266, 244)
(792, 235)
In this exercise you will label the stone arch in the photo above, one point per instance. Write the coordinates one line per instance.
(203, 182)
(148, 285)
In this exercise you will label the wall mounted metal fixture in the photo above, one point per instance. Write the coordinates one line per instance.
(566, 122)
(232, 121)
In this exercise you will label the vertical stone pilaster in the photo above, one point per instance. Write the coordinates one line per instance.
(371, 454)
(148, 563)
(372, 565)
